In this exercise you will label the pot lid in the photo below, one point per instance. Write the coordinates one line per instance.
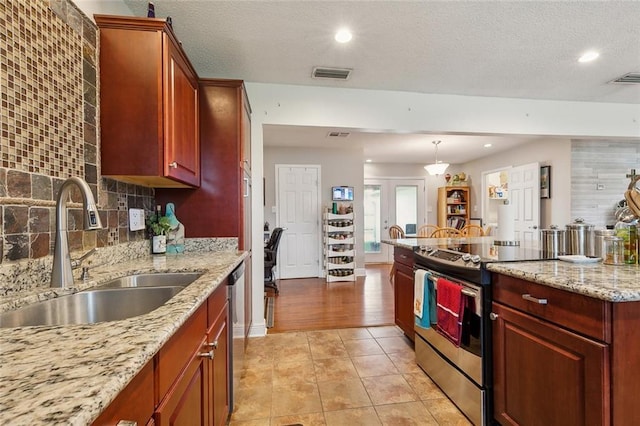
(579, 224)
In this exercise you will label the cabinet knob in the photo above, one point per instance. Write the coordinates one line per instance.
(493, 316)
(173, 165)
(213, 344)
(206, 354)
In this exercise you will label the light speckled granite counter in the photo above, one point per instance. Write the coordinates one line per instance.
(620, 283)
(69, 374)
(411, 243)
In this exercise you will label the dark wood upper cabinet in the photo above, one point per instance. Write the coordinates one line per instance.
(221, 206)
(148, 104)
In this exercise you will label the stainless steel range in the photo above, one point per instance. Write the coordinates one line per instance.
(464, 372)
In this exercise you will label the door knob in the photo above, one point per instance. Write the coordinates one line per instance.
(493, 316)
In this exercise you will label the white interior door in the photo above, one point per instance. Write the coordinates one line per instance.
(298, 212)
(389, 202)
(524, 194)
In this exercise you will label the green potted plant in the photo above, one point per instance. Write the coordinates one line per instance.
(158, 227)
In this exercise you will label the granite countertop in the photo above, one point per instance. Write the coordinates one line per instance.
(620, 283)
(412, 243)
(69, 374)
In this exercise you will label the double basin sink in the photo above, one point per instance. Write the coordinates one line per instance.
(114, 300)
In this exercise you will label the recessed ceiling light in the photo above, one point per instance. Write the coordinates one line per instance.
(588, 56)
(368, 160)
(487, 145)
(343, 36)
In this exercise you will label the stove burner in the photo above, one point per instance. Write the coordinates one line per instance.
(451, 257)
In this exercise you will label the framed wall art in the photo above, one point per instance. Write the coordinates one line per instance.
(545, 182)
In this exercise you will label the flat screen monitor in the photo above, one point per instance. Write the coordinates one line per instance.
(342, 193)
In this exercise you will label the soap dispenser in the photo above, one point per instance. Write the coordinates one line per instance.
(175, 236)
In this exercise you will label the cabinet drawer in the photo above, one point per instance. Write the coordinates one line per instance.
(404, 256)
(585, 315)
(134, 403)
(216, 302)
(175, 354)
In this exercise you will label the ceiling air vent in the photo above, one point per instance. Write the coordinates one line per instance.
(630, 78)
(338, 134)
(332, 73)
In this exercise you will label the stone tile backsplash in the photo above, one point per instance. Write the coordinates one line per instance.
(49, 132)
(601, 164)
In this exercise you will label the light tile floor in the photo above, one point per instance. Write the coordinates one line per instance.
(355, 376)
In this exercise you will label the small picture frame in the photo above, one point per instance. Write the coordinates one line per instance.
(545, 182)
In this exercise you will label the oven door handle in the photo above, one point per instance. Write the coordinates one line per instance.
(469, 293)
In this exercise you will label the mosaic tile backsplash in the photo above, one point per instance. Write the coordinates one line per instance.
(48, 131)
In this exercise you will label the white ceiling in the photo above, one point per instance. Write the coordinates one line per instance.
(515, 49)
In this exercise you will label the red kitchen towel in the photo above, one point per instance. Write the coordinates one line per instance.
(449, 308)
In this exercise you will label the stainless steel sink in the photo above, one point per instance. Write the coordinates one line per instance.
(117, 299)
(91, 306)
(153, 280)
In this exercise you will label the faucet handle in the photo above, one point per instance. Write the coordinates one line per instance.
(85, 273)
(75, 263)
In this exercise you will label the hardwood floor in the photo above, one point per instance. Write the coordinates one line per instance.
(314, 304)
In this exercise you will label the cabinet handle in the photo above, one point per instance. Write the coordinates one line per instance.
(246, 187)
(493, 316)
(127, 423)
(213, 344)
(530, 298)
(206, 354)
(173, 165)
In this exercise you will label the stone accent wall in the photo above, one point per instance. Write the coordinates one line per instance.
(605, 163)
(49, 131)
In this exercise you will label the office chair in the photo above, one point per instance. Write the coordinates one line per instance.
(270, 257)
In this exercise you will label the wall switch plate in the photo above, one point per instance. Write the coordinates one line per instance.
(600, 187)
(136, 219)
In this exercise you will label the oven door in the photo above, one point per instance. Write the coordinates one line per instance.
(468, 356)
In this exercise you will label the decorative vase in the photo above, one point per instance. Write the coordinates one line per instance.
(158, 244)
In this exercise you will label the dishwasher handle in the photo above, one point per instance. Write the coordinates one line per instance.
(237, 274)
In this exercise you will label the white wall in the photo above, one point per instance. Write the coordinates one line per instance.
(103, 7)
(552, 152)
(337, 168)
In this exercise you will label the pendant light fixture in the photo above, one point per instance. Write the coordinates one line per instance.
(438, 167)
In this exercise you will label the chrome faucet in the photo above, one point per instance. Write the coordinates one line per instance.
(62, 275)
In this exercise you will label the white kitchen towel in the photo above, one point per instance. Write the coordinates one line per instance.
(418, 292)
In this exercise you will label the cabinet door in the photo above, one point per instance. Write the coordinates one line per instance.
(186, 402)
(546, 375)
(182, 145)
(218, 376)
(403, 298)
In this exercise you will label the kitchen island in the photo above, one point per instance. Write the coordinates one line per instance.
(569, 333)
(70, 374)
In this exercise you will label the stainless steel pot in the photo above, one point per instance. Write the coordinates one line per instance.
(599, 235)
(553, 241)
(580, 238)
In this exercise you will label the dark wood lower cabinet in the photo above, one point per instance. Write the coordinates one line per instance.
(403, 290)
(187, 401)
(546, 375)
(187, 381)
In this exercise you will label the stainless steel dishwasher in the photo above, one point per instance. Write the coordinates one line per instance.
(236, 330)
